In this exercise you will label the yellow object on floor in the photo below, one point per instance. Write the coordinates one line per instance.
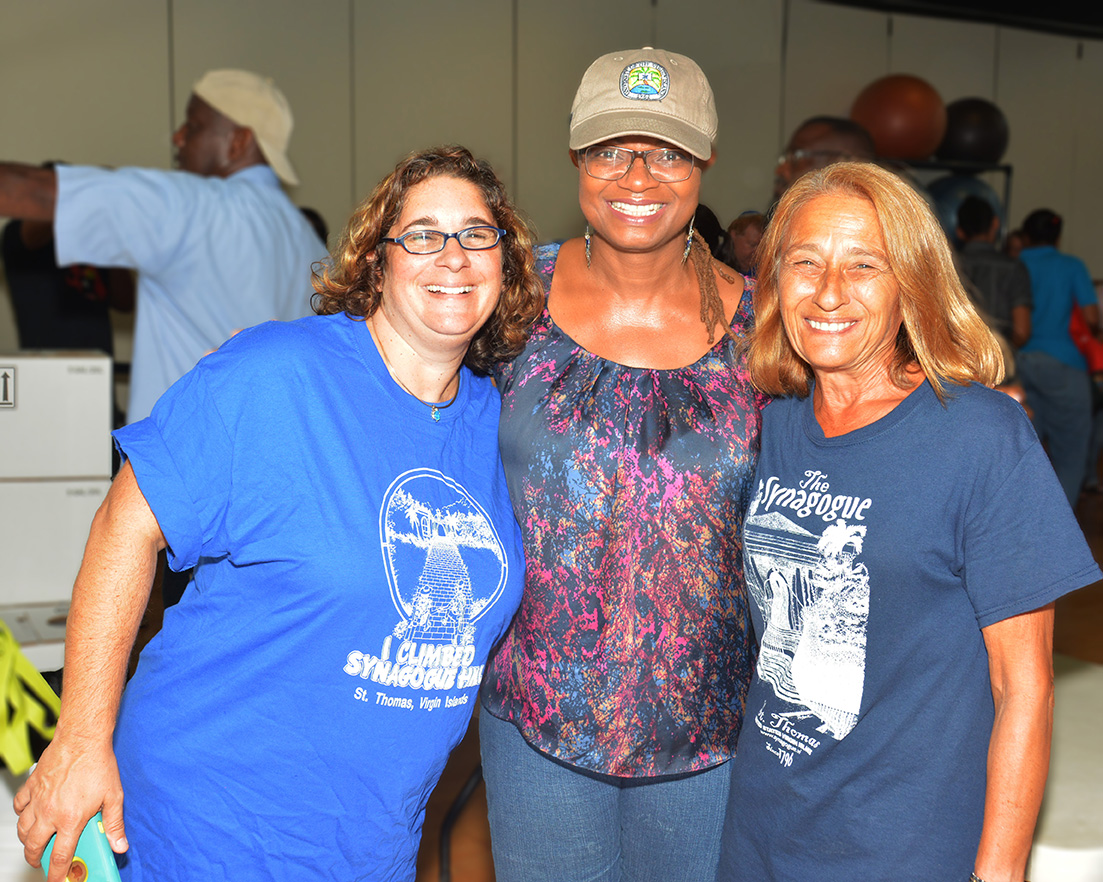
(28, 703)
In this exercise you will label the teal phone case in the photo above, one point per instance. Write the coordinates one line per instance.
(94, 861)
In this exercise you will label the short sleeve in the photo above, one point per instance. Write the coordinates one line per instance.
(1024, 549)
(127, 217)
(182, 457)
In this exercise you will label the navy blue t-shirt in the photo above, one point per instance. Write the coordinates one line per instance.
(875, 559)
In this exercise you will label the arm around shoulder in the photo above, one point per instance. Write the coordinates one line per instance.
(77, 774)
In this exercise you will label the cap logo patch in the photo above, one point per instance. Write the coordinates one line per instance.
(645, 81)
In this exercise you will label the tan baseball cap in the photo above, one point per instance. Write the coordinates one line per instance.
(253, 101)
(645, 92)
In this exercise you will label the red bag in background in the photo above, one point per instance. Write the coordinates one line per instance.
(1089, 346)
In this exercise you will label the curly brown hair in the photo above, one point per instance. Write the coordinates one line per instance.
(352, 281)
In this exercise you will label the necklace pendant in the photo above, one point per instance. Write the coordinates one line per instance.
(436, 413)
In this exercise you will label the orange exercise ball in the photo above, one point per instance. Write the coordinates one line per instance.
(904, 114)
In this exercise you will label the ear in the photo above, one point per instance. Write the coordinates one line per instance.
(707, 163)
(574, 157)
(243, 144)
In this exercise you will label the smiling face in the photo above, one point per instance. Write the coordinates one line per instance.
(437, 302)
(840, 301)
(637, 213)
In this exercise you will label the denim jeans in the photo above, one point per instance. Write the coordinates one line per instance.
(1060, 396)
(550, 822)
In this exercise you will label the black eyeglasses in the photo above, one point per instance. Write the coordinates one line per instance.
(817, 156)
(432, 241)
(666, 164)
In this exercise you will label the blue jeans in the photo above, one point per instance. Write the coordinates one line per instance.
(1060, 396)
(550, 822)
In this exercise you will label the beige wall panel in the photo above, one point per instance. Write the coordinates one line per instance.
(1038, 92)
(958, 58)
(85, 82)
(1084, 220)
(305, 48)
(555, 44)
(738, 45)
(440, 75)
(831, 54)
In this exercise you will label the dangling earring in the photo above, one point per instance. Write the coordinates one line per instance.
(587, 237)
(689, 240)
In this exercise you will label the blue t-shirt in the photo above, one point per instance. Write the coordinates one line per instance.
(874, 560)
(355, 562)
(1057, 281)
(213, 255)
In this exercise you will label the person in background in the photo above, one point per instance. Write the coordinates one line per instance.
(744, 234)
(900, 717)
(712, 232)
(217, 249)
(816, 143)
(1051, 368)
(355, 554)
(60, 307)
(1013, 245)
(317, 221)
(1001, 284)
(629, 434)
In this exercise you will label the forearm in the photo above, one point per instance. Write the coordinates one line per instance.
(1021, 665)
(109, 598)
(1018, 762)
(27, 191)
(77, 774)
(1020, 325)
(1091, 317)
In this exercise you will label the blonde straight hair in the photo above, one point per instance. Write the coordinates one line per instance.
(941, 331)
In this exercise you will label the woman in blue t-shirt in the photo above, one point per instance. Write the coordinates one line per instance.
(336, 484)
(904, 545)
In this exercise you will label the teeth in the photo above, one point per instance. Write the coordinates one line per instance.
(441, 289)
(630, 208)
(830, 326)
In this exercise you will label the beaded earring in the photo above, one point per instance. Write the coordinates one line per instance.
(689, 241)
(587, 237)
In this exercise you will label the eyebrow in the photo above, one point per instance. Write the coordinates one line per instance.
(431, 222)
(852, 252)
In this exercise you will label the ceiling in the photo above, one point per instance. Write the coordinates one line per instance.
(1074, 18)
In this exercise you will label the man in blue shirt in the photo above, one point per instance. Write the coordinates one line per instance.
(218, 245)
(1053, 372)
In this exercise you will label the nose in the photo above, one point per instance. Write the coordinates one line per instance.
(638, 177)
(831, 292)
(178, 137)
(453, 255)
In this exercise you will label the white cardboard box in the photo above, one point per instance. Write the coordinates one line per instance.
(55, 415)
(43, 528)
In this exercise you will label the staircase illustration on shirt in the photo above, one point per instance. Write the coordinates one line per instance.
(434, 535)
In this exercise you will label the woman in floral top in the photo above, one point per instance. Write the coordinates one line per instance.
(629, 435)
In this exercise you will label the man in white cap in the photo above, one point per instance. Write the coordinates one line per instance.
(218, 246)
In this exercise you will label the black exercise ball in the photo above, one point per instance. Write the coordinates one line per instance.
(976, 131)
